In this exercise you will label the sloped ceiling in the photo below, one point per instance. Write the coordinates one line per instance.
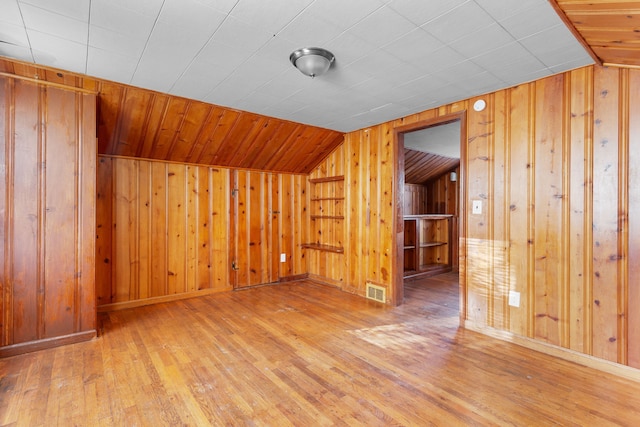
(142, 123)
(610, 28)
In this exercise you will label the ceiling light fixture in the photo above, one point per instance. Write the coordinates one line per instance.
(312, 61)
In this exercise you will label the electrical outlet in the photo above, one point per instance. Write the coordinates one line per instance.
(477, 207)
(283, 257)
(514, 298)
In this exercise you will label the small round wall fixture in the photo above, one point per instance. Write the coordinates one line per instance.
(312, 61)
(479, 105)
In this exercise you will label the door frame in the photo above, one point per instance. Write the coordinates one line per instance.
(398, 175)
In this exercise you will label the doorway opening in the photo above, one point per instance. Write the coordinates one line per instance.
(430, 172)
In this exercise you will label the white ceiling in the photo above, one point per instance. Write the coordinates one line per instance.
(393, 57)
(443, 140)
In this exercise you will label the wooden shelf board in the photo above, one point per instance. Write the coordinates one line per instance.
(325, 248)
(326, 217)
(429, 216)
(410, 247)
(327, 179)
(432, 244)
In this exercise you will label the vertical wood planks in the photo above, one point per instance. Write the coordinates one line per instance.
(633, 190)
(605, 214)
(549, 204)
(48, 215)
(171, 229)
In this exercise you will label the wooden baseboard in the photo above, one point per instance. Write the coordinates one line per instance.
(28, 347)
(559, 352)
(156, 300)
(294, 278)
(324, 281)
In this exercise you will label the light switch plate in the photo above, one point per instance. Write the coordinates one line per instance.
(477, 207)
(514, 298)
(283, 257)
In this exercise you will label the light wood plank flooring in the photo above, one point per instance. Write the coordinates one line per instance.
(305, 354)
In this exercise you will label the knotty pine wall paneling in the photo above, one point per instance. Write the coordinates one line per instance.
(47, 216)
(555, 164)
(366, 162)
(168, 230)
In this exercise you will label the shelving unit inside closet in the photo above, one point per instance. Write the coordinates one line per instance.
(427, 248)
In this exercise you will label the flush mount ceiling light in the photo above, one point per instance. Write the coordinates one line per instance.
(312, 61)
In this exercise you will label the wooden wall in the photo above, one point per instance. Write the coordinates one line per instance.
(415, 199)
(47, 215)
(366, 162)
(555, 164)
(170, 229)
(444, 197)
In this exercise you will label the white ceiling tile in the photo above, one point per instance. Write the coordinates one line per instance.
(531, 21)
(200, 78)
(447, 28)
(308, 29)
(76, 9)
(110, 65)
(114, 17)
(52, 23)
(413, 46)
(480, 83)
(501, 9)
(10, 12)
(114, 42)
(225, 6)
(382, 26)
(13, 35)
(139, 7)
(58, 52)
(271, 16)
(502, 56)
(234, 32)
(571, 65)
(342, 13)
(348, 47)
(564, 48)
(440, 59)
(482, 41)
(18, 52)
(525, 66)
(420, 11)
(191, 14)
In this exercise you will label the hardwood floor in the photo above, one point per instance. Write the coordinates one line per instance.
(305, 354)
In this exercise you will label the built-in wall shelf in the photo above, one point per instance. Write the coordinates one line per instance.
(426, 244)
(326, 214)
(324, 248)
(327, 179)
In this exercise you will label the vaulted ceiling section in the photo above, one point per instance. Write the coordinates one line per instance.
(136, 122)
(609, 29)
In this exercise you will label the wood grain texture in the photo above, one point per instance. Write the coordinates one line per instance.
(553, 163)
(169, 229)
(607, 27)
(48, 214)
(135, 122)
(266, 361)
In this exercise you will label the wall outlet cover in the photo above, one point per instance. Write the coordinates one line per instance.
(514, 298)
(477, 207)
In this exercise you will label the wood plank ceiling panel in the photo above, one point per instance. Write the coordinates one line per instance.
(611, 28)
(421, 167)
(135, 122)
